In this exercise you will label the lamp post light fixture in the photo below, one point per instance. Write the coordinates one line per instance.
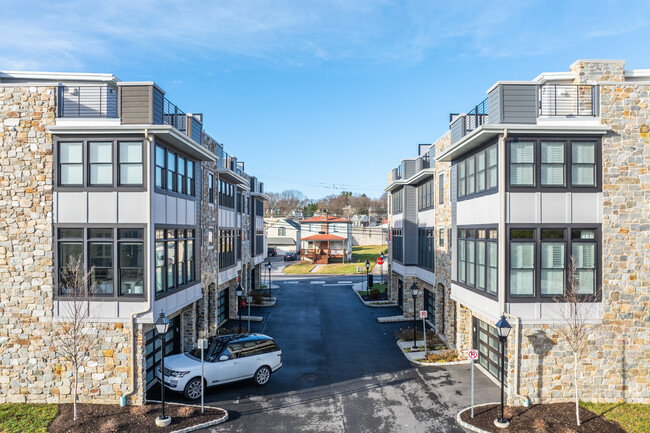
(162, 326)
(367, 279)
(268, 266)
(381, 267)
(503, 328)
(415, 291)
(239, 292)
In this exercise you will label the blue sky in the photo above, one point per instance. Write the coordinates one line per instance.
(321, 96)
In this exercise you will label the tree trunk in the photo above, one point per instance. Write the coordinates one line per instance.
(575, 383)
(74, 401)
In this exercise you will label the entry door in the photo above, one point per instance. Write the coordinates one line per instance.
(400, 293)
(223, 371)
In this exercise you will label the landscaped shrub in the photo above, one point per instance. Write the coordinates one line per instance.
(407, 334)
(258, 297)
(445, 356)
(374, 294)
(433, 341)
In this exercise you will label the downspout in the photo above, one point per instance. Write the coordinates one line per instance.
(502, 258)
(134, 361)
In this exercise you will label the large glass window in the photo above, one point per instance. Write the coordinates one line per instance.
(583, 250)
(174, 258)
(471, 271)
(100, 160)
(492, 167)
(462, 265)
(171, 171)
(480, 171)
(461, 179)
(492, 260)
(552, 263)
(583, 163)
(480, 259)
(100, 260)
(522, 262)
(182, 186)
(552, 163)
(190, 178)
(470, 167)
(131, 257)
(70, 164)
(160, 167)
(522, 163)
(210, 188)
(131, 162)
(426, 248)
(71, 253)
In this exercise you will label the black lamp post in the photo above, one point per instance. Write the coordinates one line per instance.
(162, 326)
(239, 292)
(503, 328)
(367, 279)
(415, 290)
(268, 266)
(381, 267)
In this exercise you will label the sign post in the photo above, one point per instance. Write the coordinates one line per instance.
(203, 344)
(424, 315)
(249, 300)
(473, 355)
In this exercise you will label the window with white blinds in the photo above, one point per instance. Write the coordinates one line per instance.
(478, 173)
(477, 258)
(492, 166)
(522, 163)
(552, 268)
(552, 163)
(583, 250)
(583, 163)
(522, 268)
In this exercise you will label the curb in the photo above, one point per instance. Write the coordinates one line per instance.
(198, 426)
(370, 303)
(469, 426)
(393, 319)
(253, 318)
(438, 364)
(267, 304)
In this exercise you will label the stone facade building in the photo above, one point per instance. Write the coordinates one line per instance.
(113, 173)
(540, 174)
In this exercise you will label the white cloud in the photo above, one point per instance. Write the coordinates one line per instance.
(74, 33)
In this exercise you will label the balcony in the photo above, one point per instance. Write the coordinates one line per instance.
(132, 103)
(525, 103)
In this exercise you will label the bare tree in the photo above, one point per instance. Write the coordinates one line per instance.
(74, 338)
(575, 311)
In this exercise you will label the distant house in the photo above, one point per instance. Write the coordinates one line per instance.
(326, 239)
(283, 235)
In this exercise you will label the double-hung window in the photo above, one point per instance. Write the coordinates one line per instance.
(100, 161)
(462, 264)
(130, 162)
(522, 262)
(190, 178)
(182, 186)
(100, 260)
(480, 171)
(522, 163)
(552, 261)
(441, 188)
(491, 157)
(71, 164)
(131, 259)
(583, 164)
(552, 163)
(461, 179)
(583, 250)
(171, 172)
(160, 167)
(70, 256)
(470, 167)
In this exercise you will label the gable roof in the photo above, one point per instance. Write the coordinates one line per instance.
(325, 219)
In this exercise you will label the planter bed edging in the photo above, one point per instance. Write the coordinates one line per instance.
(469, 426)
(371, 303)
(202, 425)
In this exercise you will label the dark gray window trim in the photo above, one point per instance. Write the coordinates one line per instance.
(467, 155)
(175, 151)
(567, 139)
(537, 297)
(116, 296)
(399, 200)
(441, 187)
(485, 293)
(432, 181)
(197, 258)
(85, 139)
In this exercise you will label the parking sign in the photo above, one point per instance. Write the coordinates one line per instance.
(423, 314)
(472, 354)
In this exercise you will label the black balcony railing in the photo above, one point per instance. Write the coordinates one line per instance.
(477, 116)
(567, 100)
(87, 101)
(174, 116)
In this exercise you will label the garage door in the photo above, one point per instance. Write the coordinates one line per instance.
(486, 340)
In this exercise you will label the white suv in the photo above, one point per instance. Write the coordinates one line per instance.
(228, 358)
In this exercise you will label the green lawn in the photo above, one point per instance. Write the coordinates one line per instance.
(340, 268)
(361, 253)
(18, 418)
(634, 418)
(299, 268)
(380, 287)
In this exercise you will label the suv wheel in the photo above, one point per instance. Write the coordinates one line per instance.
(262, 376)
(193, 389)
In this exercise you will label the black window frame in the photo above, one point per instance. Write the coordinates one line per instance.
(426, 248)
(167, 236)
(462, 164)
(397, 245)
(537, 297)
(568, 163)
(397, 199)
(487, 233)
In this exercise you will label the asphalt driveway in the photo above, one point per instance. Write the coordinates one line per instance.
(342, 371)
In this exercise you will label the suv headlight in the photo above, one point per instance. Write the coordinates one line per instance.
(173, 373)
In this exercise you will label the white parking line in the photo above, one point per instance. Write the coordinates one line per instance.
(345, 282)
(317, 282)
(330, 285)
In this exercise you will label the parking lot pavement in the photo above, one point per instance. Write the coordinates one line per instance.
(342, 372)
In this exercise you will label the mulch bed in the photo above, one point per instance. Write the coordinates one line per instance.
(542, 418)
(104, 418)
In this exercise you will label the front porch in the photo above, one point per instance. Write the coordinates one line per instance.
(323, 249)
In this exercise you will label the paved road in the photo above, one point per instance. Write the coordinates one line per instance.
(342, 371)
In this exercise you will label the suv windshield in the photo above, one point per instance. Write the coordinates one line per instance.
(215, 345)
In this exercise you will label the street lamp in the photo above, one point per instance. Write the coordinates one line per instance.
(381, 267)
(503, 328)
(239, 292)
(268, 266)
(367, 279)
(162, 326)
(415, 291)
